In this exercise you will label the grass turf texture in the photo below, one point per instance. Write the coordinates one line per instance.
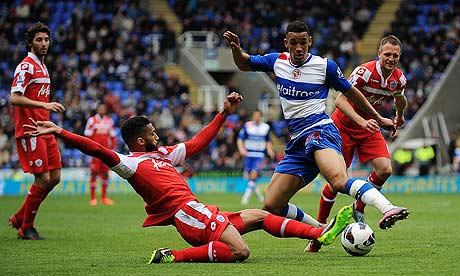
(109, 240)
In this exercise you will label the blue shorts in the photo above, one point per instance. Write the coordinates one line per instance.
(253, 164)
(299, 154)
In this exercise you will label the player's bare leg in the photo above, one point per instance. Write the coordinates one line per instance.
(280, 190)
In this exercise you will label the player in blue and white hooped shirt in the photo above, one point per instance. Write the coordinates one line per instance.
(253, 141)
(303, 82)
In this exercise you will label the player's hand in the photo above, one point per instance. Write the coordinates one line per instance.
(55, 107)
(232, 40)
(38, 128)
(231, 103)
(387, 124)
(370, 125)
(399, 121)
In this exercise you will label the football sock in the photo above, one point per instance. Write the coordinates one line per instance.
(248, 192)
(293, 212)
(365, 192)
(104, 188)
(259, 194)
(92, 183)
(326, 202)
(284, 228)
(374, 181)
(214, 251)
(20, 213)
(33, 200)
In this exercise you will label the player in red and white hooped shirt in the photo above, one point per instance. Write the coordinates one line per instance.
(379, 81)
(150, 170)
(100, 128)
(30, 95)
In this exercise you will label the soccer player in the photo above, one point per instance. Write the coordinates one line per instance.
(253, 141)
(100, 128)
(30, 95)
(303, 82)
(378, 80)
(149, 169)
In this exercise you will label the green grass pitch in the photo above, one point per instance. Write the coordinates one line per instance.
(109, 240)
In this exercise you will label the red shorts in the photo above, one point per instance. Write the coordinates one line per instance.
(38, 154)
(366, 149)
(200, 224)
(97, 166)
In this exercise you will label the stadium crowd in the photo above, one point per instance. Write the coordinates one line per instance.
(104, 53)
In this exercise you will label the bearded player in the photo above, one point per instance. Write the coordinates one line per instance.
(30, 95)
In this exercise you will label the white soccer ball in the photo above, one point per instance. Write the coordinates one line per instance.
(358, 239)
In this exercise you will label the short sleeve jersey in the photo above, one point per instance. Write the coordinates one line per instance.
(303, 89)
(157, 181)
(368, 78)
(255, 137)
(100, 129)
(32, 80)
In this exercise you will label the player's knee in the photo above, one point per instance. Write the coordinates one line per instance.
(338, 181)
(241, 253)
(55, 180)
(272, 208)
(385, 172)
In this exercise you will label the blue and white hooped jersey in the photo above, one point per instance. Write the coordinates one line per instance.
(255, 138)
(303, 89)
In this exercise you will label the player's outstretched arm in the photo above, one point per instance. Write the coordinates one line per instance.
(207, 134)
(358, 98)
(240, 58)
(85, 145)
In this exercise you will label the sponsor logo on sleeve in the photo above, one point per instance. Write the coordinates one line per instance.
(340, 74)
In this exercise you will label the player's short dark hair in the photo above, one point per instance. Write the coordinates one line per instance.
(393, 40)
(33, 30)
(133, 127)
(297, 27)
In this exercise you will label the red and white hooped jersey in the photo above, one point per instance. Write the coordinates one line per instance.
(154, 177)
(32, 80)
(101, 130)
(368, 78)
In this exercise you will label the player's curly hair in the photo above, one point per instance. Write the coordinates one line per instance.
(297, 27)
(132, 128)
(33, 30)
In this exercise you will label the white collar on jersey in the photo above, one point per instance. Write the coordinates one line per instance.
(35, 58)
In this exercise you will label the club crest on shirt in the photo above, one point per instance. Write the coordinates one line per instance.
(296, 73)
(393, 84)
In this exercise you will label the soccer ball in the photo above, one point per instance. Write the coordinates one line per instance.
(358, 239)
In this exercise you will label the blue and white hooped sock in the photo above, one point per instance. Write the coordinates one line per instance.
(365, 192)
